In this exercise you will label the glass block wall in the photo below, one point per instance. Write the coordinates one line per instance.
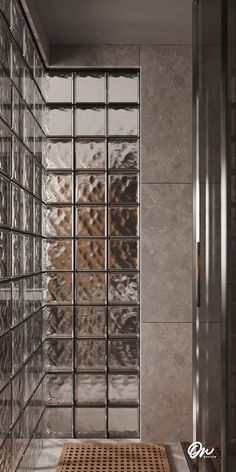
(91, 254)
(21, 135)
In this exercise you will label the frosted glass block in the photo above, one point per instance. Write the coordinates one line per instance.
(90, 354)
(90, 87)
(17, 207)
(27, 212)
(38, 69)
(123, 354)
(5, 252)
(5, 305)
(18, 394)
(58, 354)
(5, 412)
(38, 106)
(123, 321)
(123, 154)
(90, 254)
(123, 288)
(123, 254)
(90, 188)
(28, 296)
(58, 87)
(29, 89)
(58, 321)
(17, 67)
(29, 48)
(123, 221)
(90, 422)
(123, 188)
(58, 422)
(123, 87)
(17, 254)
(123, 121)
(37, 255)
(58, 121)
(17, 301)
(58, 188)
(5, 207)
(58, 389)
(58, 287)
(37, 179)
(29, 129)
(91, 288)
(57, 254)
(5, 44)
(17, 23)
(5, 359)
(37, 216)
(90, 154)
(90, 389)
(28, 255)
(5, 96)
(58, 221)
(123, 422)
(5, 149)
(90, 121)
(17, 160)
(28, 173)
(90, 221)
(91, 321)
(123, 389)
(18, 347)
(58, 154)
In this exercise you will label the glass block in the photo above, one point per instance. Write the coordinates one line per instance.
(123, 188)
(58, 389)
(17, 67)
(28, 256)
(90, 389)
(90, 88)
(58, 87)
(123, 321)
(5, 412)
(5, 254)
(123, 354)
(6, 453)
(38, 142)
(123, 422)
(37, 208)
(91, 321)
(17, 254)
(91, 288)
(5, 96)
(17, 23)
(123, 154)
(37, 179)
(19, 440)
(5, 8)
(90, 121)
(123, 221)
(57, 254)
(29, 129)
(90, 254)
(58, 121)
(28, 171)
(37, 255)
(5, 149)
(123, 87)
(58, 354)
(58, 321)
(5, 207)
(90, 154)
(29, 89)
(58, 221)
(5, 44)
(29, 48)
(18, 394)
(90, 221)
(58, 287)
(5, 360)
(17, 207)
(38, 106)
(123, 288)
(90, 422)
(18, 347)
(123, 254)
(38, 69)
(90, 188)
(90, 354)
(58, 422)
(17, 301)
(58, 154)
(16, 112)
(123, 121)
(123, 389)
(28, 296)
(28, 219)
(58, 188)
(17, 160)
(5, 306)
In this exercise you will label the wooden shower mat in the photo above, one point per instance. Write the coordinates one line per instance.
(103, 457)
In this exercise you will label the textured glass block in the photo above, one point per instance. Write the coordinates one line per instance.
(58, 188)
(17, 160)
(58, 221)
(37, 208)
(5, 8)
(123, 354)
(37, 186)
(91, 288)
(123, 288)
(123, 389)
(5, 44)
(57, 254)
(38, 142)
(19, 440)
(28, 171)
(38, 106)
(123, 422)
(58, 321)
(90, 389)
(90, 254)
(5, 254)
(123, 221)
(28, 296)
(90, 422)
(18, 394)
(90, 121)
(29, 89)
(28, 257)
(5, 360)
(29, 48)
(123, 321)
(58, 287)
(58, 354)
(123, 254)
(27, 212)
(5, 96)
(91, 321)
(123, 121)
(16, 112)
(123, 154)
(58, 389)
(58, 422)
(90, 87)
(5, 412)
(90, 221)
(58, 121)
(5, 207)
(17, 23)
(90, 354)
(6, 455)
(123, 87)
(123, 188)
(17, 254)
(29, 129)
(90, 188)
(5, 306)
(17, 207)
(5, 149)
(38, 69)
(58, 87)
(18, 347)
(17, 68)
(17, 301)
(90, 154)
(58, 154)
(37, 255)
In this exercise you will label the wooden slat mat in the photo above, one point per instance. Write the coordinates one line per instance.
(104, 457)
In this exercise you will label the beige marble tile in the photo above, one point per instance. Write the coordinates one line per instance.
(94, 55)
